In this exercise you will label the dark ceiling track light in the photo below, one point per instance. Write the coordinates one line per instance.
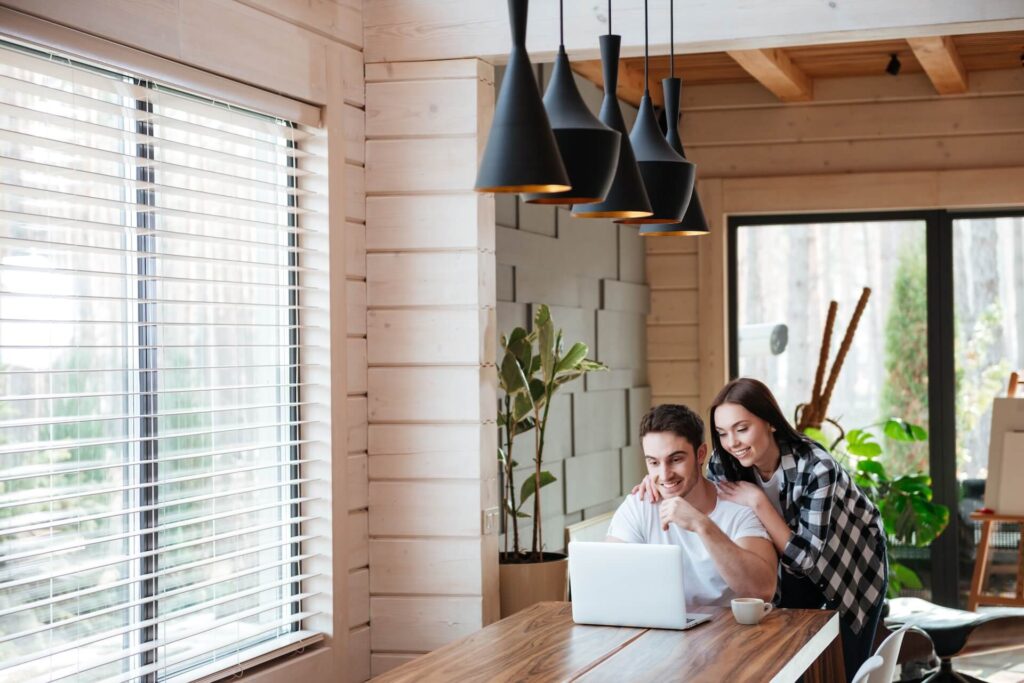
(667, 176)
(589, 149)
(694, 221)
(893, 67)
(627, 197)
(521, 153)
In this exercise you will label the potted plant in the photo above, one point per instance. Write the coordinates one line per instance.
(533, 367)
(909, 515)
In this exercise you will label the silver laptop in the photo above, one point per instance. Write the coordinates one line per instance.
(629, 584)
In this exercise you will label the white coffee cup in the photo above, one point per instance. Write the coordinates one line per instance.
(750, 610)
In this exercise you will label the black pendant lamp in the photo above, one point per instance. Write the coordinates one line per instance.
(627, 197)
(589, 149)
(521, 153)
(667, 176)
(694, 222)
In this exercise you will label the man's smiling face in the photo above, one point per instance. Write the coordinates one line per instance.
(673, 464)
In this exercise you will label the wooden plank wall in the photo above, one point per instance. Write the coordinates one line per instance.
(431, 379)
(859, 125)
(310, 51)
(591, 274)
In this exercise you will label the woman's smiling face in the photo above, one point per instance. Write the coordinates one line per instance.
(746, 437)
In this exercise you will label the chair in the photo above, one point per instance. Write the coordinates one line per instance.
(889, 652)
(593, 529)
(956, 633)
(868, 669)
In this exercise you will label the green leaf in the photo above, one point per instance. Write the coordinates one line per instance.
(521, 346)
(538, 391)
(871, 467)
(513, 380)
(591, 366)
(567, 377)
(899, 429)
(817, 435)
(545, 329)
(527, 488)
(522, 406)
(577, 353)
(905, 575)
(865, 449)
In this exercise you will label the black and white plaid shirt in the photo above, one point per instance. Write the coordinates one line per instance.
(836, 530)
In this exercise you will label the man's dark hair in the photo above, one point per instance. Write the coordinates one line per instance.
(678, 419)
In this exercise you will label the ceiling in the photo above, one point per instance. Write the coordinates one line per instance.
(789, 72)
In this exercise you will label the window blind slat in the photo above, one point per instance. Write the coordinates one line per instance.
(207, 646)
(49, 175)
(109, 561)
(112, 585)
(36, 471)
(142, 601)
(47, 98)
(155, 643)
(100, 417)
(42, 68)
(72, 150)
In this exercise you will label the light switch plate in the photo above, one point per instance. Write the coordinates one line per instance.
(490, 521)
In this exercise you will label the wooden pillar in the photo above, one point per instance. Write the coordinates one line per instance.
(431, 378)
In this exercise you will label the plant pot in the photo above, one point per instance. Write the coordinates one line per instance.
(524, 583)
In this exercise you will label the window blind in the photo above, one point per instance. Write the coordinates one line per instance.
(152, 515)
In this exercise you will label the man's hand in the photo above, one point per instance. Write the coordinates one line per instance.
(647, 489)
(679, 512)
(744, 493)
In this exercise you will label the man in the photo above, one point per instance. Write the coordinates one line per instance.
(726, 551)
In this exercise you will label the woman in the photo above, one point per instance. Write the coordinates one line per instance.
(828, 534)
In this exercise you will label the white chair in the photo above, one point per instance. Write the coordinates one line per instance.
(593, 529)
(868, 669)
(889, 651)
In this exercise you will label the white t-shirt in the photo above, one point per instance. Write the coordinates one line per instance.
(772, 488)
(638, 521)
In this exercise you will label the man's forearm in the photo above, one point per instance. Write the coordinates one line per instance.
(747, 573)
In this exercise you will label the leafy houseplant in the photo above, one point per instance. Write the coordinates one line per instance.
(529, 378)
(909, 515)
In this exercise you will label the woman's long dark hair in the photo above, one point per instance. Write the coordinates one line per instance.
(758, 399)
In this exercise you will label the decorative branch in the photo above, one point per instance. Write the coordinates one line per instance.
(844, 348)
(815, 411)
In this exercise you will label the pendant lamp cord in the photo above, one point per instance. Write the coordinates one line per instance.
(561, 24)
(671, 39)
(645, 47)
(609, 17)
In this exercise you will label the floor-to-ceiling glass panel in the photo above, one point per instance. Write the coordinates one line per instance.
(988, 279)
(785, 277)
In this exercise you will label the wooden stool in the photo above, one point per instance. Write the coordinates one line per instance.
(983, 560)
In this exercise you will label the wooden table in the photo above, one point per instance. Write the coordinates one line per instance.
(542, 643)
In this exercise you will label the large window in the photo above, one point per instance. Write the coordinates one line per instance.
(941, 333)
(151, 521)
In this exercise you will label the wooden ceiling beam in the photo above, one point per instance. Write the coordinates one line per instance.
(776, 71)
(941, 61)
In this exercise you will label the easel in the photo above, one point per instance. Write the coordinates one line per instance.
(983, 559)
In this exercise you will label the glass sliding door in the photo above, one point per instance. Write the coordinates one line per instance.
(988, 307)
(786, 271)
